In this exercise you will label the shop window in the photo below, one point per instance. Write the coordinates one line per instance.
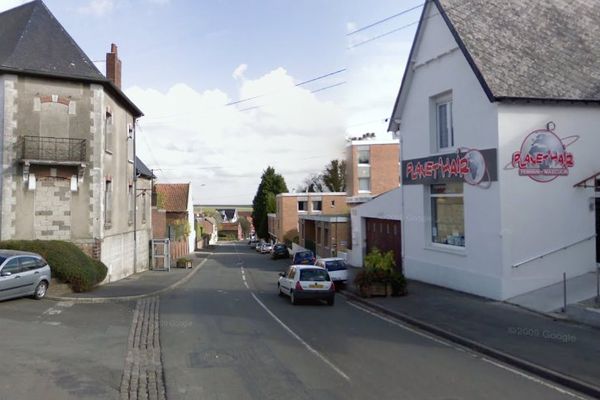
(447, 214)
(302, 205)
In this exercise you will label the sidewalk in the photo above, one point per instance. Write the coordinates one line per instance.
(561, 351)
(143, 284)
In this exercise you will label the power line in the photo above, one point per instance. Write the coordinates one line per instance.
(385, 19)
(328, 87)
(405, 26)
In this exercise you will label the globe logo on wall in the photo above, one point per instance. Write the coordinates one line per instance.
(543, 155)
(477, 167)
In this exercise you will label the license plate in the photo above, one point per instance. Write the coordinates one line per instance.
(316, 286)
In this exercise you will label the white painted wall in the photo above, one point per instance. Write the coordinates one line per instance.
(387, 205)
(540, 217)
(440, 67)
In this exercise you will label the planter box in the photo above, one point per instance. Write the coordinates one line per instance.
(376, 289)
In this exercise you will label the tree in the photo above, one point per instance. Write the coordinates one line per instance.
(245, 226)
(312, 183)
(334, 176)
(271, 184)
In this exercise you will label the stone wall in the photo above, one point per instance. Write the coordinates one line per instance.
(52, 209)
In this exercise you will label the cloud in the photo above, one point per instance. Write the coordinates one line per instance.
(97, 8)
(8, 4)
(238, 73)
(193, 135)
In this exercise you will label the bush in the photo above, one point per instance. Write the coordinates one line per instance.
(68, 263)
(380, 268)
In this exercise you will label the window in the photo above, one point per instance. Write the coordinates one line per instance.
(364, 184)
(108, 204)
(444, 128)
(363, 156)
(314, 275)
(317, 205)
(108, 132)
(130, 134)
(144, 207)
(302, 205)
(130, 204)
(29, 263)
(12, 266)
(447, 214)
(332, 203)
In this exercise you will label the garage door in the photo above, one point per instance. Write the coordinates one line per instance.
(385, 235)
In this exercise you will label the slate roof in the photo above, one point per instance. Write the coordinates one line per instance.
(175, 196)
(534, 49)
(33, 42)
(142, 170)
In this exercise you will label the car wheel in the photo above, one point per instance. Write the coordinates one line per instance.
(293, 298)
(40, 290)
(331, 301)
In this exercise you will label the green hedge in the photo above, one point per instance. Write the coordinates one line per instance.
(68, 263)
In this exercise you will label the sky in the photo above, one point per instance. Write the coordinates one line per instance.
(185, 62)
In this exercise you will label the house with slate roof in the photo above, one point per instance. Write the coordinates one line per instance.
(67, 137)
(498, 117)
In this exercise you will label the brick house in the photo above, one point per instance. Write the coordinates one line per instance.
(173, 215)
(67, 137)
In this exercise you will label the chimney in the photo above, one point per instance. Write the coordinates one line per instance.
(113, 66)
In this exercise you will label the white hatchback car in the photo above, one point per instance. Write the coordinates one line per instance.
(306, 282)
(336, 267)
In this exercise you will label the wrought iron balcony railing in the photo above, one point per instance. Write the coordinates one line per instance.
(43, 148)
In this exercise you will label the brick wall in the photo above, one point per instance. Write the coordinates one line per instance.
(385, 168)
(159, 223)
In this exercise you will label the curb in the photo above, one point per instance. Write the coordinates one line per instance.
(119, 299)
(551, 375)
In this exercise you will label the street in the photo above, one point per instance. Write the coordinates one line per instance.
(228, 335)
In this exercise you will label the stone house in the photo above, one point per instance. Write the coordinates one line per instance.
(67, 137)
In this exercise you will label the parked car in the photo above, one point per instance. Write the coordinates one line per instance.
(23, 274)
(280, 250)
(266, 248)
(306, 257)
(302, 282)
(259, 245)
(337, 268)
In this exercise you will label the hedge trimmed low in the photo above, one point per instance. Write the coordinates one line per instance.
(68, 263)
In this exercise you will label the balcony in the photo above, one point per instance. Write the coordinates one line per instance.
(51, 150)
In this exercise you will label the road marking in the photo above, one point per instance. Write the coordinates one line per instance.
(298, 338)
(400, 325)
(288, 329)
(532, 378)
(461, 349)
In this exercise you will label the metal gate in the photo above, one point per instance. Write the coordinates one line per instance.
(161, 255)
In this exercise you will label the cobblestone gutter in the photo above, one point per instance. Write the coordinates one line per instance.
(143, 373)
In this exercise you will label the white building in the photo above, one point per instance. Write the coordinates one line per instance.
(499, 120)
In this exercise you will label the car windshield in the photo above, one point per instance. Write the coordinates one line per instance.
(314, 275)
(336, 265)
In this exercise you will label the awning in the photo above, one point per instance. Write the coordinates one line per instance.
(590, 182)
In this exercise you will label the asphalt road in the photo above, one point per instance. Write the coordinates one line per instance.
(226, 334)
(62, 350)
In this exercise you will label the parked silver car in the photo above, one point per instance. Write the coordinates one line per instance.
(23, 274)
